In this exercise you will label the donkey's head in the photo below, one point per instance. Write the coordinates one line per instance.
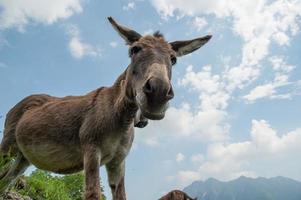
(150, 70)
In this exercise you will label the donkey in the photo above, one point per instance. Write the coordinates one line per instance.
(74, 133)
(176, 195)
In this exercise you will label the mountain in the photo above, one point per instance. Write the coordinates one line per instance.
(244, 188)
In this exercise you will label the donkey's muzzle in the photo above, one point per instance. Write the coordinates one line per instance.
(158, 91)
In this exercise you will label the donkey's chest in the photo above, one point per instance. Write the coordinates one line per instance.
(116, 146)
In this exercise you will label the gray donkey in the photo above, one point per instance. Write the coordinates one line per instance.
(74, 133)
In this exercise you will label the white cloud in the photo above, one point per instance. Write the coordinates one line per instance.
(201, 81)
(254, 51)
(199, 23)
(16, 13)
(254, 157)
(180, 157)
(261, 91)
(279, 64)
(210, 87)
(238, 77)
(269, 90)
(113, 44)
(277, 20)
(281, 38)
(78, 48)
(202, 125)
(129, 6)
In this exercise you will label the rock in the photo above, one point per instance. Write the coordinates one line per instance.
(14, 196)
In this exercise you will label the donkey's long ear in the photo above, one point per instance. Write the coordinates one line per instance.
(130, 36)
(185, 47)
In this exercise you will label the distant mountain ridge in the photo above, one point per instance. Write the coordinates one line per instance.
(244, 188)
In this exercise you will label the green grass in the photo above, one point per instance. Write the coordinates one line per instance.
(42, 185)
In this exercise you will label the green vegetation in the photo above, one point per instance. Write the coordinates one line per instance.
(41, 185)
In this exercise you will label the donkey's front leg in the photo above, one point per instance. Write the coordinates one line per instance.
(91, 167)
(115, 172)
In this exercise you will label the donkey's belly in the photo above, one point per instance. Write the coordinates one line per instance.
(53, 157)
(57, 150)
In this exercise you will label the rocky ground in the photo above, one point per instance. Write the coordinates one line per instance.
(14, 196)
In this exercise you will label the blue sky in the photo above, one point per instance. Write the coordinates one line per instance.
(237, 105)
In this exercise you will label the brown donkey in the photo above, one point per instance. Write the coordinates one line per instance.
(176, 195)
(74, 133)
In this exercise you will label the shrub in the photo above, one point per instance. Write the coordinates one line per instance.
(41, 185)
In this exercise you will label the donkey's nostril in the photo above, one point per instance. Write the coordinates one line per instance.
(158, 90)
(148, 88)
(170, 93)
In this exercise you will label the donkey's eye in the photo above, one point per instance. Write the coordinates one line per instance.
(173, 60)
(135, 50)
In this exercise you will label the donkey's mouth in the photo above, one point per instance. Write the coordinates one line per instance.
(153, 115)
(150, 111)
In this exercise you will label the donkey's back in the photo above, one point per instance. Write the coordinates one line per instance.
(43, 111)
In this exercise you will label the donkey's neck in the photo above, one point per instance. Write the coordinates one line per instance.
(125, 106)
